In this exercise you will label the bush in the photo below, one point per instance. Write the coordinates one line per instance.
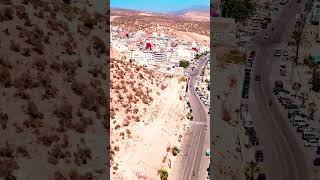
(175, 150)
(163, 174)
(184, 63)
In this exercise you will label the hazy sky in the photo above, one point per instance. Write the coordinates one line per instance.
(158, 5)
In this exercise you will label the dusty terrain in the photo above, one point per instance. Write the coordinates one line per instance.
(53, 95)
(147, 113)
(136, 20)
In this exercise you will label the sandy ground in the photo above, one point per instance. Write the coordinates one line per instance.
(227, 159)
(53, 99)
(143, 151)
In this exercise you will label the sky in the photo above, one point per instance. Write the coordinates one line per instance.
(158, 5)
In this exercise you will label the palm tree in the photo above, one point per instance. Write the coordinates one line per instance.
(312, 109)
(252, 169)
(296, 86)
(299, 37)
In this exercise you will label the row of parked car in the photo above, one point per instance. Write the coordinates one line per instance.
(247, 75)
(298, 119)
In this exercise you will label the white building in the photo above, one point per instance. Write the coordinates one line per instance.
(160, 57)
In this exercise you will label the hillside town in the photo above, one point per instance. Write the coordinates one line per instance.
(156, 48)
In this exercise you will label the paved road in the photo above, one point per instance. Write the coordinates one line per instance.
(284, 158)
(193, 145)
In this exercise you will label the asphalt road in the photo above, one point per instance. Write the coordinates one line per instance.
(284, 157)
(194, 145)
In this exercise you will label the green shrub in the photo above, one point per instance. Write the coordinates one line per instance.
(175, 150)
(163, 174)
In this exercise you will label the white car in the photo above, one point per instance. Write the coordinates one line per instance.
(266, 36)
(311, 143)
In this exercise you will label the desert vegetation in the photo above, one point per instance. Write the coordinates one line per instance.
(40, 66)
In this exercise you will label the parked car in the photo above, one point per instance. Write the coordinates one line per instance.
(277, 53)
(259, 156)
(258, 78)
(261, 176)
(316, 162)
(302, 128)
(311, 143)
(266, 36)
(285, 53)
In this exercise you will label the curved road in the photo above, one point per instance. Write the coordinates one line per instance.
(193, 147)
(284, 156)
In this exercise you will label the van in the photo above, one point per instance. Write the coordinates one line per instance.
(307, 134)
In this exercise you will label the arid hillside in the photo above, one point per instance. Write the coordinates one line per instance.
(136, 20)
(147, 117)
(53, 96)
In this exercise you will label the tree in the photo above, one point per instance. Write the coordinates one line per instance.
(313, 66)
(299, 36)
(175, 150)
(252, 169)
(312, 109)
(296, 86)
(184, 63)
(163, 174)
(238, 9)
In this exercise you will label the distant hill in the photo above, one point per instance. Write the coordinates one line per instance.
(133, 20)
(198, 13)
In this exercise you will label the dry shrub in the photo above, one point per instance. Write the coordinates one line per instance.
(24, 81)
(64, 111)
(89, 101)
(21, 12)
(78, 87)
(5, 63)
(23, 151)
(6, 151)
(14, 46)
(26, 52)
(88, 22)
(99, 45)
(40, 64)
(6, 2)
(59, 176)
(7, 166)
(56, 66)
(32, 123)
(47, 140)
(6, 14)
(82, 125)
(226, 116)
(232, 81)
(22, 94)
(3, 120)
(81, 156)
(33, 112)
(5, 77)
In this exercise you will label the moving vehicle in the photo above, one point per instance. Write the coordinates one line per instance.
(266, 36)
(259, 156)
(247, 120)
